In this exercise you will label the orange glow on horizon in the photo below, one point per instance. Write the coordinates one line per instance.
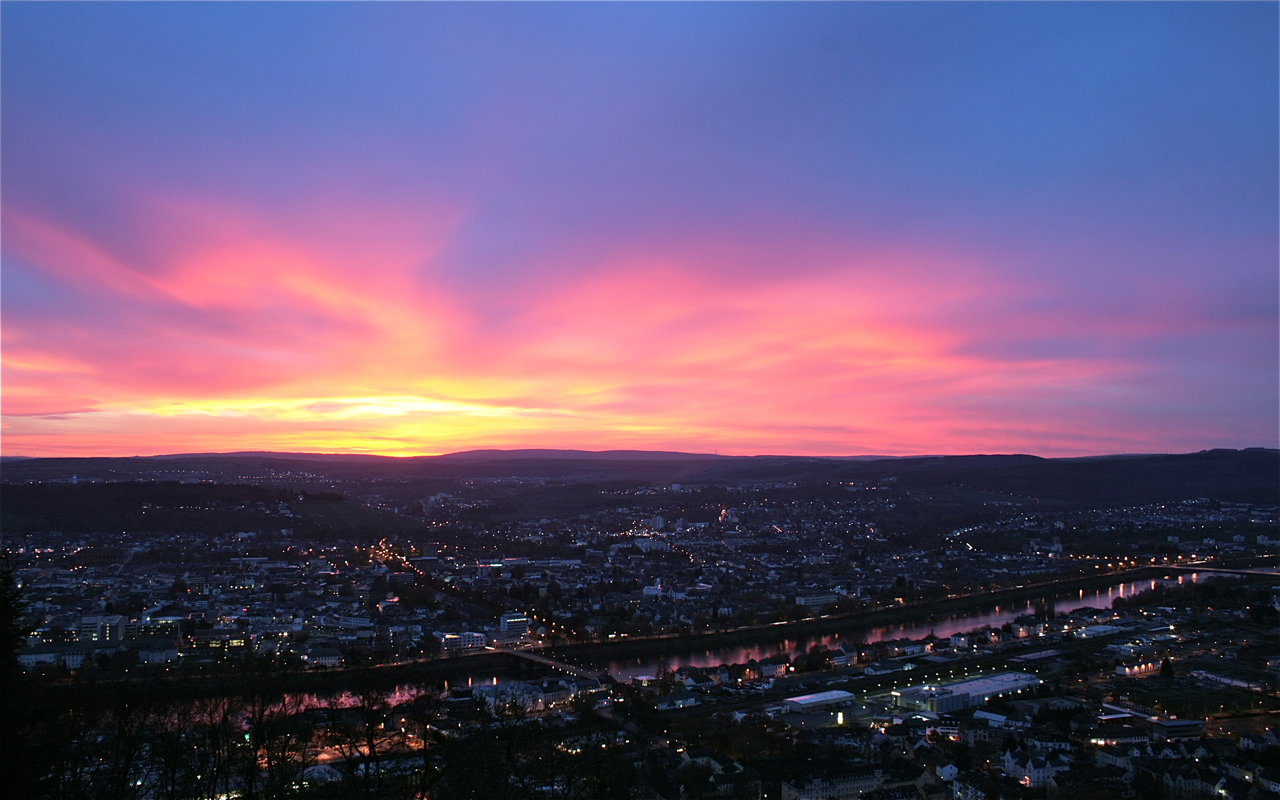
(251, 340)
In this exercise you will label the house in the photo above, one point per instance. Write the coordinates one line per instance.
(555, 691)
(523, 695)
(323, 657)
(686, 671)
(845, 655)
(155, 650)
(1049, 741)
(906, 647)
(1116, 755)
(1188, 779)
(719, 763)
(1240, 768)
(1268, 779)
(699, 681)
(680, 697)
(969, 785)
(843, 785)
(1082, 780)
(66, 654)
(775, 666)
(906, 776)
(1034, 770)
(882, 668)
(735, 784)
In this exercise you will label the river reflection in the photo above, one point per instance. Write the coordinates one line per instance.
(990, 616)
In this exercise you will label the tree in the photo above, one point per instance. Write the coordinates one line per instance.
(359, 734)
(1166, 670)
(17, 715)
(377, 592)
(430, 645)
(420, 734)
(275, 744)
(818, 658)
(13, 633)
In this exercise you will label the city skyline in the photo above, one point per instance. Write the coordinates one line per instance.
(815, 229)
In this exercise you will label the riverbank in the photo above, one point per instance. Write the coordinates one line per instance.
(919, 614)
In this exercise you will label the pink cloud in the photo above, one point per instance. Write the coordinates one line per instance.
(326, 330)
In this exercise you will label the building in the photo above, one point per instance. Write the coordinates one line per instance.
(932, 698)
(522, 695)
(70, 655)
(806, 703)
(1033, 771)
(1176, 730)
(1041, 662)
(942, 698)
(466, 640)
(101, 628)
(774, 666)
(845, 785)
(514, 624)
(155, 649)
(680, 697)
(648, 545)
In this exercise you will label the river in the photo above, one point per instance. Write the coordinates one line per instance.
(988, 616)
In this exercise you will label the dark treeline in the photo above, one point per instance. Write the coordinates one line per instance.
(1250, 475)
(107, 739)
(146, 506)
(264, 728)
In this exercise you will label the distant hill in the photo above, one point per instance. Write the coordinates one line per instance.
(196, 508)
(1251, 475)
(272, 455)
(466, 455)
(576, 455)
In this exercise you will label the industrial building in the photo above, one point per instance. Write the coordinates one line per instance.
(942, 698)
(814, 702)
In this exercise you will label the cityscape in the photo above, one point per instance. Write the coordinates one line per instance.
(742, 638)
(640, 400)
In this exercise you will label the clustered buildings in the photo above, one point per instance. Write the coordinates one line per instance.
(1128, 700)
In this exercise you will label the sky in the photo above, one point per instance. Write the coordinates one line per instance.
(744, 228)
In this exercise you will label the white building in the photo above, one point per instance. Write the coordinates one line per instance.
(466, 640)
(942, 698)
(808, 600)
(813, 702)
(514, 623)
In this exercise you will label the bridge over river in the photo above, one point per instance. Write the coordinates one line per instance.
(1260, 572)
(577, 672)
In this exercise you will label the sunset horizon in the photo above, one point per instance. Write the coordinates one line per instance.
(802, 229)
(621, 453)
